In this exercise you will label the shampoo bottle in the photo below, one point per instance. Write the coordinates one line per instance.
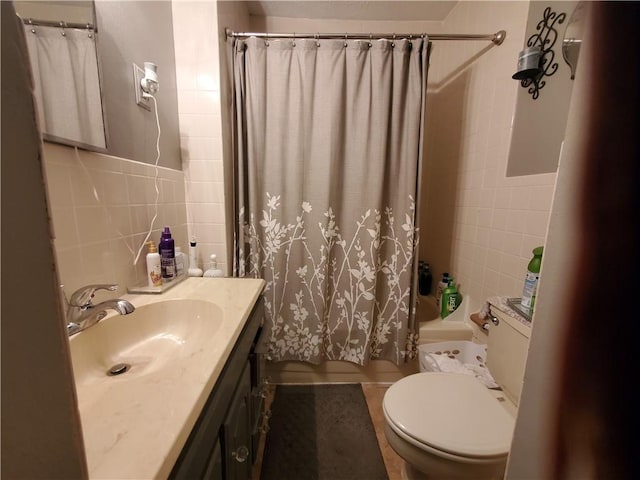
(450, 299)
(193, 271)
(424, 278)
(167, 255)
(154, 271)
(531, 279)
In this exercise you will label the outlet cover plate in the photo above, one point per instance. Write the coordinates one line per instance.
(138, 75)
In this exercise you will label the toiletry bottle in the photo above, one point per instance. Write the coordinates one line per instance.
(442, 284)
(450, 299)
(424, 278)
(167, 255)
(214, 271)
(193, 271)
(154, 271)
(180, 262)
(531, 280)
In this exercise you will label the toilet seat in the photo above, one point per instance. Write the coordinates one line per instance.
(450, 415)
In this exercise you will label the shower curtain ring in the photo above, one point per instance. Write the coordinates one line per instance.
(370, 40)
(317, 35)
(345, 40)
(393, 41)
(293, 44)
(62, 25)
(33, 30)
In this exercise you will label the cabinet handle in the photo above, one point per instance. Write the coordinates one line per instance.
(241, 454)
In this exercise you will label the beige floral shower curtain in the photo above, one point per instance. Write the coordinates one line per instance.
(327, 149)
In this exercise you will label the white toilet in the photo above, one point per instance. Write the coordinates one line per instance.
(447, 425)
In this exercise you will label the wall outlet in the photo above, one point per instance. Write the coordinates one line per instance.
(138, 75)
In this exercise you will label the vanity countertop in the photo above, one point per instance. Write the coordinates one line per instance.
(138, 429)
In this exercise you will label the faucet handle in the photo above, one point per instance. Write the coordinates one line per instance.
(83, 296)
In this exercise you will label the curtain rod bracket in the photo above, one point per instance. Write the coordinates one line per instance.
(499, 37)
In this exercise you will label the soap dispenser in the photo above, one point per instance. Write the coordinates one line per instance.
(214, 271)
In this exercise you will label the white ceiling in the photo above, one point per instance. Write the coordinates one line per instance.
(353, 10)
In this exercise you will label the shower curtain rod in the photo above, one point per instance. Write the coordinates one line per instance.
(497, 38)
(59, 24)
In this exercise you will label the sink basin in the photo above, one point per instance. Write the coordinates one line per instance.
(152, 338)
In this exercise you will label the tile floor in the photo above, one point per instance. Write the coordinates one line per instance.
(374, 393)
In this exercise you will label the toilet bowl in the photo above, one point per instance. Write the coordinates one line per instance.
(448, 425)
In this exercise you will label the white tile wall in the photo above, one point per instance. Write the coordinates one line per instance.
(102, 207)
(495, 221)
(195, 26)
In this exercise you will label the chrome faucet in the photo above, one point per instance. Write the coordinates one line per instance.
(82, 313)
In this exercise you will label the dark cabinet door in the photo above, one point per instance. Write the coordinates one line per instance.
(237, 432)
(214, 470)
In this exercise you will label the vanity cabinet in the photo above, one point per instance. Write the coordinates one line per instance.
(223, 443)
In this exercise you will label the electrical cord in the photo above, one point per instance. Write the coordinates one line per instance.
(155, 108)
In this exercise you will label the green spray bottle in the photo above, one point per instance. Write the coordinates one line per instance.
(531, 280)
(450, 299)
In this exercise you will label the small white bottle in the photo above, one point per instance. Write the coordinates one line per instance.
(180, 262)
(154, 269)
(214, 271)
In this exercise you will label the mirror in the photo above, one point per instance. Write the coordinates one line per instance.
(128, 33)
(61, 39)
(539, 123)
(573, 37)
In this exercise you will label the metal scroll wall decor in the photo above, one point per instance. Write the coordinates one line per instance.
(537, 61)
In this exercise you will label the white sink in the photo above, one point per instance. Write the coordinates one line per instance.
(150, 339)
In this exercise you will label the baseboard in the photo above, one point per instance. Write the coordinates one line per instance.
(335, 371)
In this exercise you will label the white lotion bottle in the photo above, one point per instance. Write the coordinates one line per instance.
(154, 269)
(193, 271)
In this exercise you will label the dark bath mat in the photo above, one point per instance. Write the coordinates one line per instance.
(321, 432)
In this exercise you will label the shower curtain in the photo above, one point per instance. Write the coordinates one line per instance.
(327, 150)
(66, 83)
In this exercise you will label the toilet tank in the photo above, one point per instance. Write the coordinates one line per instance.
(507, 347)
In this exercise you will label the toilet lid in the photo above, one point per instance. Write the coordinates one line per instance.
(450, 412)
